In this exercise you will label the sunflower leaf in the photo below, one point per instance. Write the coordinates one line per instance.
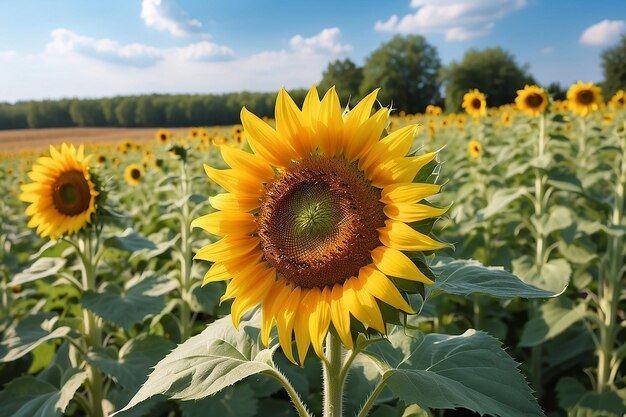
(129, 241)
(41, 268)
(445, 372)
(29, 333)
(555, 316)
(209, 362)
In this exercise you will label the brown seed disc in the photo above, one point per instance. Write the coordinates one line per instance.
(476, 103)
(534, 100)
(585, 97)
(70, 193)
(317, 221)
(135, 173)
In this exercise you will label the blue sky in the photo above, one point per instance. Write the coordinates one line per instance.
(94, 48)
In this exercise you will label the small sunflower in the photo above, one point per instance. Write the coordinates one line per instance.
(315, 221)
(162, 136)
(506, 118)
(194, 132)
(607, 119)
(584, 98)
(432, 110)
(133, 174)
(475, 104)
(618, 100)
(460, 121)
(473, 148)
(62, 194)
(101, 159)
(532, 100)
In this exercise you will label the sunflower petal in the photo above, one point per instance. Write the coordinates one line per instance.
(223, 223)
(253, 295)
(394, 263)
(398, 235)
(275, 300)
(406, 212)
(407, 192)
(234, 202)
(235, 181)
(291, 125)
(247, 162)
(320, 319)
(330, 128)
(392, 146)
(362, 305)
(265, 141)
(228, 248)
(285, 320)
(340, 315)
(379, 286)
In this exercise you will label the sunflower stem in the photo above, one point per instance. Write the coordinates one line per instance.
(185, 260)
(332, 370)
(293, 394)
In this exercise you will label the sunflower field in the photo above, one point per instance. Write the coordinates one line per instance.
(331, 261)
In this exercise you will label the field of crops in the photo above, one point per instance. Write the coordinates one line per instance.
(85, 318)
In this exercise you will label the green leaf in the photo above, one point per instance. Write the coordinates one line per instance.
(28, 396)
(134, 362)
(41, 268)
(209, 362)
(555, 316)
(129, 241)
(445, 372)
(123, 309)
(237, 401)
(560, 217)
(552, 276)
(565, 181)
(29, 333)
(464, 277)
(582, 403)
(499, 200)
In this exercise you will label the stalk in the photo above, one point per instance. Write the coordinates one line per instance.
(332, 372)
(185, 260)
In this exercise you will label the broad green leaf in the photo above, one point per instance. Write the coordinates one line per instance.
(28, 396)
(236, 401)
(209, 362)
(134, 362)
(555, 316)
(565, 181)
(123, 309)
(465, 277)
(579, 402)
(129, 241)
(29, 333)
(552, 276)
(444, 372)
(560, 217)
(41, 268)
(499, 200)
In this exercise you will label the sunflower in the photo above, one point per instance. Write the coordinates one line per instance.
(101, 159)
(194, 132)
(162, 136)
(475, 104)
(474, 148)
(315, 221)
(506, 118)
(618, 100)
(531, 100)
(432, 110)
(584, 98)
(62, 194)
(607, 119)
(133, 174)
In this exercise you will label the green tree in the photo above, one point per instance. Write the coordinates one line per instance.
(493, 71)
(406, 68)
(87, 113)
(344, 75)
(125, 112)
(556, 91)
(614, 68)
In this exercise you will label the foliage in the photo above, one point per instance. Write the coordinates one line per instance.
(346, 77)
(613, 68)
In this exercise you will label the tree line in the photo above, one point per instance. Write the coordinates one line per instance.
(407, 68)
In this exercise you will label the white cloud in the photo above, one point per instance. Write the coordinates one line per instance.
(327, 41)
(167, 15)
(547, 50)
(66, 42)
(7, 54)
(603, 33)
(458, 20)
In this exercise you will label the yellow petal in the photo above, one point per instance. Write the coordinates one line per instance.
(247, 300)
(407, 212)
(285, 320)
(359, 141)
(223, 223)
(395, 145)
(320, 319)
(274, 301)
(329, 131)
(234, 202)
(228, 248)
(379, 286)
(340, 315)
(362, 305)
(265, 141)
(291, 125)
(408, 192)
(247, 162)
(235, 181)
(398, 235)
(396, 264)
(311, 107)
(217, 272)
(362, 111)
(399, 170)
(301, 325)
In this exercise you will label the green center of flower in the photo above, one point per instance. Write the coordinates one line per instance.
(318, 221)
(70, 193)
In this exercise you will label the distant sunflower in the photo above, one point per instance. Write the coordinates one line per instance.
(607, 119)
(584, 98)
(162, 136)
(133, 174)
(62, 194)
(618, 100)
(432, 110)
(473, 148)
(531, 100)
(315, 220)
(101, 159)
(194, 133)
(475, 104)
(506, 118)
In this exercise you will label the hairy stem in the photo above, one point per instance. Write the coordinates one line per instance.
(332, 370)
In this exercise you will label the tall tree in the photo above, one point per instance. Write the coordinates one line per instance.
(346, 76)
(614, 68)
(406, 68)
(493, 71)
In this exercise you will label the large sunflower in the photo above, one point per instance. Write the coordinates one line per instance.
(62, 194)
(531, 100)
(315, 220)
(475, 104)
(584, 98)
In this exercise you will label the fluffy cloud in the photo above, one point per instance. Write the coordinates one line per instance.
(603, 33)
(7, 54)
(327, 41)
(167, 15)
(66, 42)
(459, 20)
